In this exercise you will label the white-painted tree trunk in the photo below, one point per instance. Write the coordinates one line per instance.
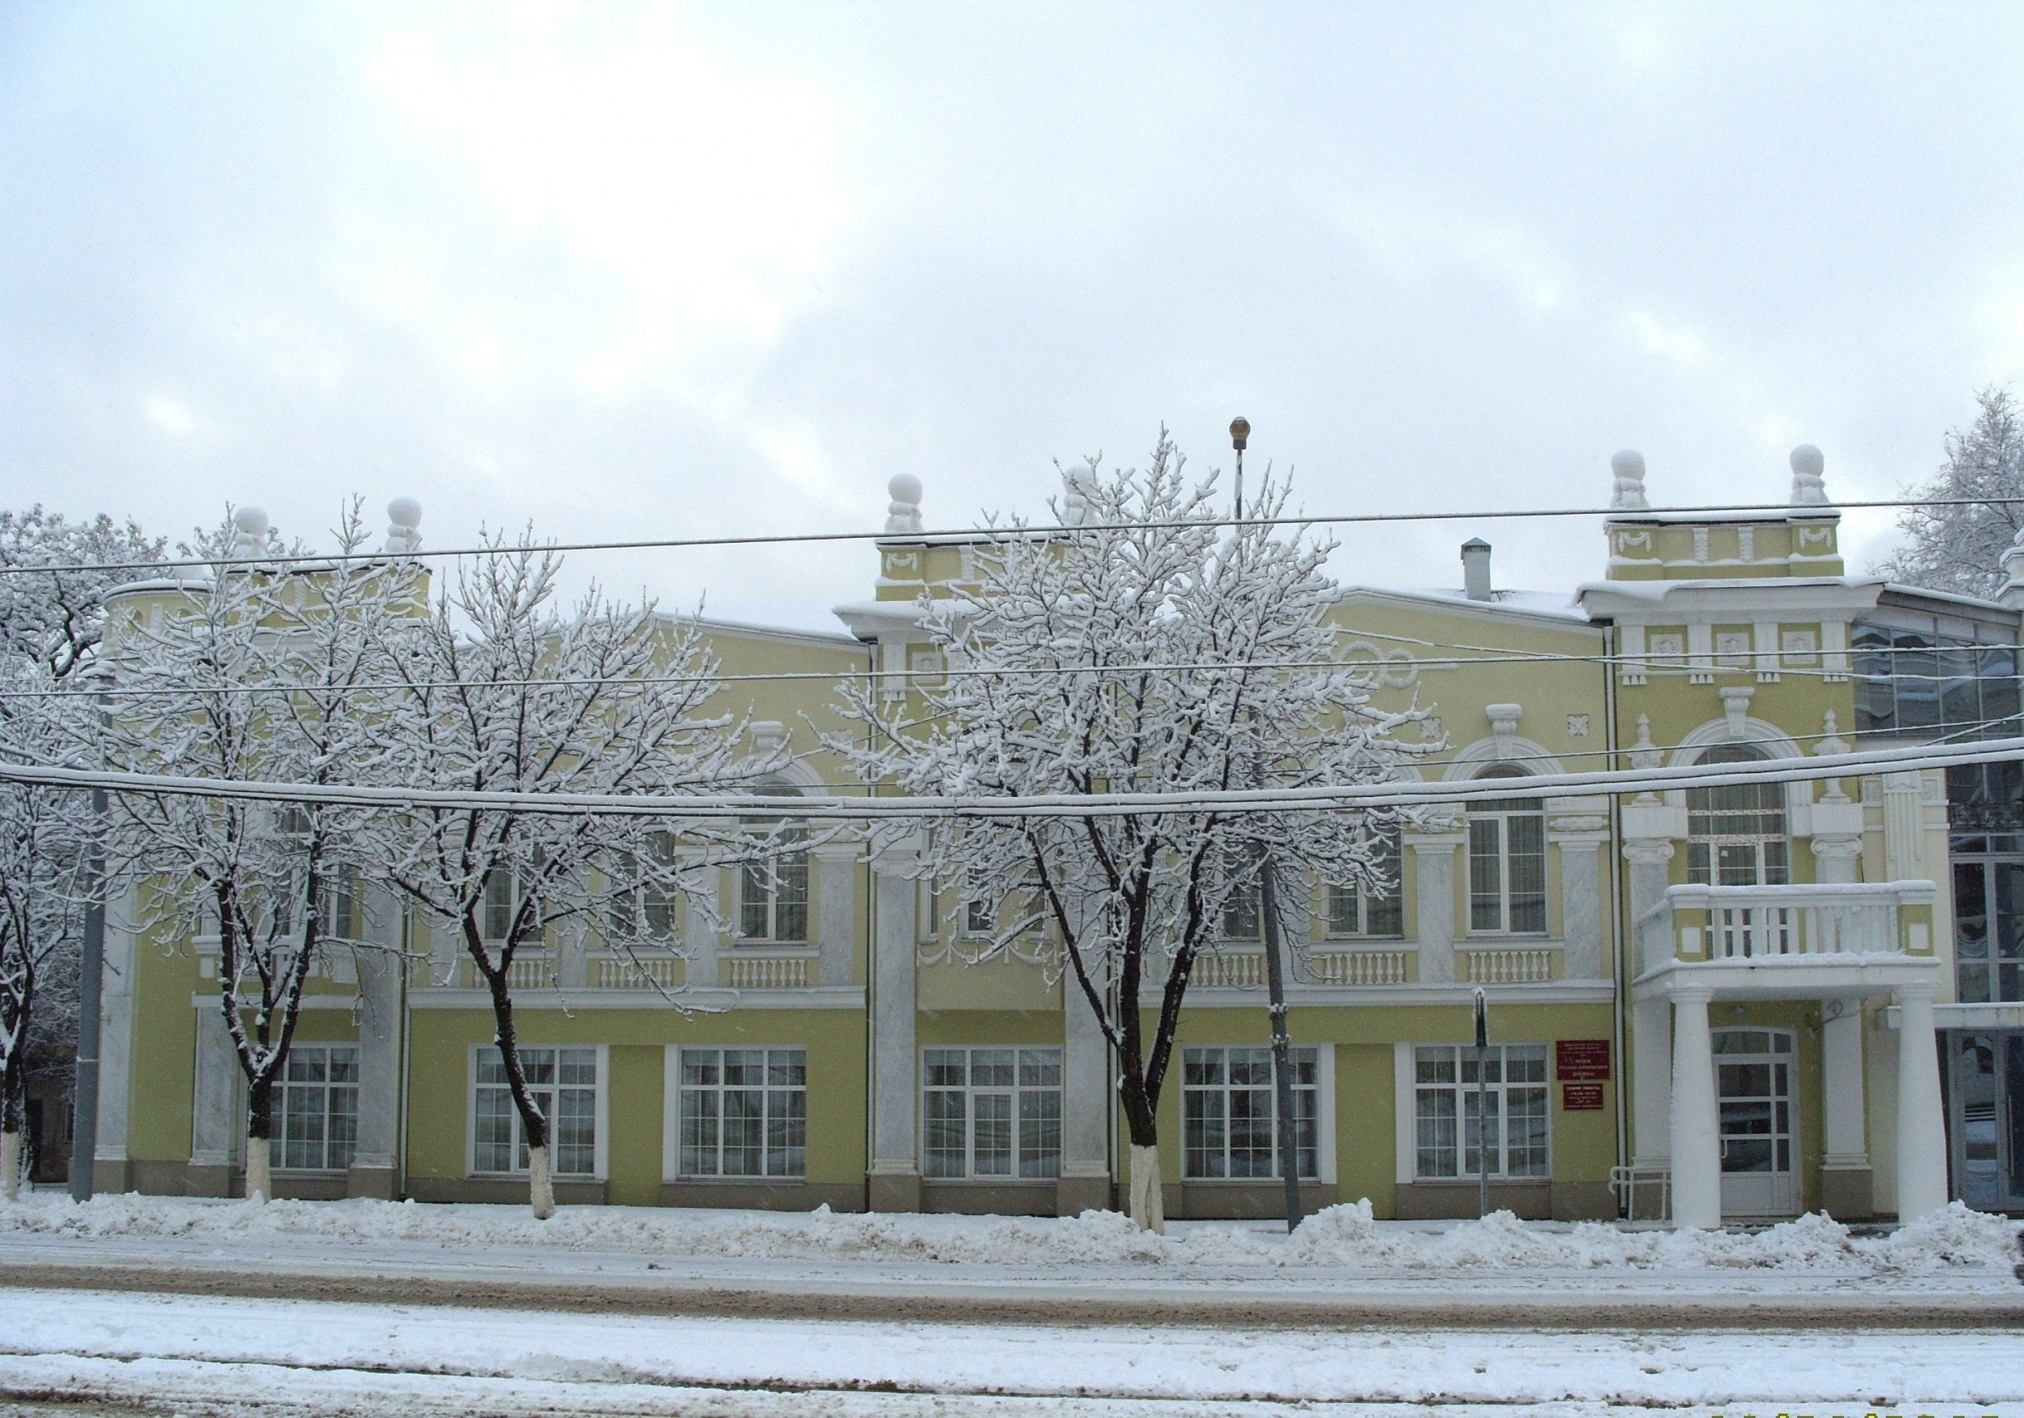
(259, 1172)
(540, 1189)
(1148, 1209)
(10, 1165)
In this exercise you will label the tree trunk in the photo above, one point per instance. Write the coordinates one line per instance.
(10, 1164)
(259, 1174)
(540, 1190)
(1148, 1207)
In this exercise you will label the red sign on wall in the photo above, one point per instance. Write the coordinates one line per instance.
(1582, 1059)
(1580, 1097)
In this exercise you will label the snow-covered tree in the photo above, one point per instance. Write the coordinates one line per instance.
(259, 671)
(503, 691)
(1959, 548)
(44, 837)
(53, 577)
(1151, 653)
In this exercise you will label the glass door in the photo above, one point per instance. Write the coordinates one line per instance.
(1755, 1082)
(1986, 1098)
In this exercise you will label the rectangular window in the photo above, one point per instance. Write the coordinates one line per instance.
(563, 1084)
(1507, 873)
(644, 904)
(744, 1113)
(773, 895)
(500, 902)
(1454, 1118)
(316, 1108)
(991, 1113)
(1242, 917)
(1354, 912)
(1229, 1115)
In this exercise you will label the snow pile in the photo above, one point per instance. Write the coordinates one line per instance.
(1344, 1236)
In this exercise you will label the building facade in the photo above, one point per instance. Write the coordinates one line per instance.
(1721, 1003)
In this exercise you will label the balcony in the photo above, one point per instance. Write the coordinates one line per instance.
(1787, 941)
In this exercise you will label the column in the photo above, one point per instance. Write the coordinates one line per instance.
(1845, 1180)
(835, 921)
(1921, 1134)
(1649, 876)
(894, 1182)
(1581, 898)
(379, 1052)
(1434, 923)
(1651, 1088)
(1697, 1151)
(1085, 1106)
(214, 1112)
(116, 1046)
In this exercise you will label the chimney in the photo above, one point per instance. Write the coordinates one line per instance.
(1476, 569)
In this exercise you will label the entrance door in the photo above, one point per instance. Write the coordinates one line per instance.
(1987, 1097)
(1755, 1081)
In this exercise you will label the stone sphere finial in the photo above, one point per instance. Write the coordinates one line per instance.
(404, 522)
(1075, 502)
(249, 531)
(1628, 466)
(904, 513)
(1809, 489)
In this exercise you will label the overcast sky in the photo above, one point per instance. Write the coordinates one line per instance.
(658, 270)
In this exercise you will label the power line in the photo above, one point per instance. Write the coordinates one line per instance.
(1011, 532)
(1233, 802)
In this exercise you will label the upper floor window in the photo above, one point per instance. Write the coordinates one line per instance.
(1925, 674)
(1243, 918)
(1507, 862)
(644, 904)
(499, 904)
(1988, 915)
(1736, 834)
(773, 891)
(1356, 912)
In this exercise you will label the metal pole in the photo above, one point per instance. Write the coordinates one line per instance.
(1482, 1104)
(1275, 968)
(90, 986)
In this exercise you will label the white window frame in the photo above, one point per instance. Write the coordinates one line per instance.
(1406, 1096)
(1324, 1119)
(1015, 1091)
(1499, 821)
(643, 898)
(765, 879)
(601, 1112)
(1360, 901)
(671, 1118)
(283, 1088)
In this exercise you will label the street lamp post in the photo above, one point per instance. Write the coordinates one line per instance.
(1275, 969)
(1482, 1103)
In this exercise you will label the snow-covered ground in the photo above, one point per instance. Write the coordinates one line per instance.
(1948, 1248)
(187, 1354)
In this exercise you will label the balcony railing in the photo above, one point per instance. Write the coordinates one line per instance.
(1757, 923)
(1244, 969)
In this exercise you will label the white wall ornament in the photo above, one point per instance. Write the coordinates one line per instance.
(1373, 667)
(1504, 729)
(1577, 726)
(1736, 710)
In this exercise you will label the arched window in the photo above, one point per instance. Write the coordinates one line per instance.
(1507, 862)
(773, 890)
(1736, 834)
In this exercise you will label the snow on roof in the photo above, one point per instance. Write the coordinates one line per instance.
(1556, 604)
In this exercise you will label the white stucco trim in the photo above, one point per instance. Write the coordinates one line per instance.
(1758, 734)
(1523, 753)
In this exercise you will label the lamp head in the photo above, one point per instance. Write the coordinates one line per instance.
(1240, 432)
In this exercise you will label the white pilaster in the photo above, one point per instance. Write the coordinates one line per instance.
(699, 934)
(1648, 878)
(1697, 1157)
(379, 1055)
(1903, 794)
(1846, 1139)
(894, 1181)
(116, 1045)
(214, 1120)
(1434, 863)
(1581, 898)
(835, 920)
(1921, 1134)
(1085, 1105)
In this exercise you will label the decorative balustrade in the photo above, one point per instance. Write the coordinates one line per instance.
(769, 972)
(651, 972)
(1506, 964)
(1245, 969)
(1357, 967)
(530, 972)
(1761, 923)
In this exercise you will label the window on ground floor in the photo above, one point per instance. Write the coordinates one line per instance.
(1230, 1117)
(316, 1108)
(744, 1112)
(563, 1084)
(991, 1113)
(1456, 1113)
